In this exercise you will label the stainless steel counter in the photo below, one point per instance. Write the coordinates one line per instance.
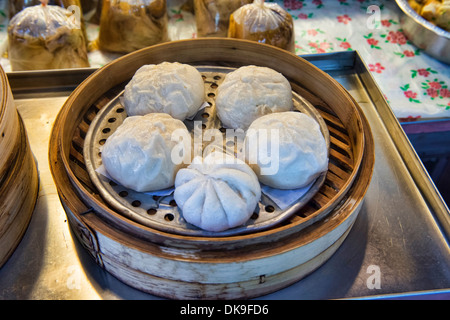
(398, 246)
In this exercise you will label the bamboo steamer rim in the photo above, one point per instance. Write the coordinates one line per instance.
(19, 192)
(9, 127)
(4, 93)
(180, 51)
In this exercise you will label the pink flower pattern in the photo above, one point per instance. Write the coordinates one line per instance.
(445, 93)
(293, 4)
(345, 45)
(436, 89)
(396, 37)
(410, 94)
(345, 19)
(377, 67)
(423, 72)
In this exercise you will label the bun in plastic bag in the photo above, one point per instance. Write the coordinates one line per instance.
(129, 25)
(16, 6)
(46, 37)
(212, 16)
(263, 22)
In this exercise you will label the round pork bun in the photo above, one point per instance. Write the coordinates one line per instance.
(217, 192)
(138, 155)
(286, 150)
(168, 87)
(250, 92)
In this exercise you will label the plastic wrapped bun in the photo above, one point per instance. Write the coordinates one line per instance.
(217, 192)
(168, 87)
(16, 6)
(301, 151)
(129, 25)
(263, 22)
(212, 16)
(138, 155)
(46, 37)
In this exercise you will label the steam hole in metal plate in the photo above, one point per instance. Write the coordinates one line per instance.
(123, 194)
(136, 203)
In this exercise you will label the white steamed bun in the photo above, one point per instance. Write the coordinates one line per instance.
(168, 87)
(250, 92)
(217, 192)
(302, 150)
(138, 154)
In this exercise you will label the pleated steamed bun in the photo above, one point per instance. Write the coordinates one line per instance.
(297, 152)
(217, 192)
(250, 92)
(138, 155)
(169, 87)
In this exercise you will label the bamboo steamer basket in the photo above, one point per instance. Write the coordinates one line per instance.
(240, 266)
(18, 174)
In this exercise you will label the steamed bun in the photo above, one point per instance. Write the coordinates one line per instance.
(173, 88)
(250, 92)
(138, 154)
(217, 192)
(300, 153)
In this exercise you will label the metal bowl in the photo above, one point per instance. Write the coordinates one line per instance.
(424, 34)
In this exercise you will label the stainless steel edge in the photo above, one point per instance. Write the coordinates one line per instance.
(410, 157)
(34, 84)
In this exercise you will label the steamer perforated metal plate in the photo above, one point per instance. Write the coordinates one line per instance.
(161, 212)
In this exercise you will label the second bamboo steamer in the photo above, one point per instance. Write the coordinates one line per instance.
(18, 174)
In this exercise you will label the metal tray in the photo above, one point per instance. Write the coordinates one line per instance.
(165, 215)
(397, 248)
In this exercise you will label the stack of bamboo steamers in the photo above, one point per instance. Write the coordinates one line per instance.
(18, 174)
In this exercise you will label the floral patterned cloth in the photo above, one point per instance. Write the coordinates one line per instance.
(414, 84)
